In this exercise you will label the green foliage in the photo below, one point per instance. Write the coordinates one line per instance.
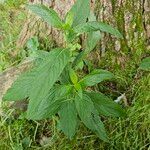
(49, 105)
(89, 116)
(96, 77)
(47, 14)
(68, 118)
(53, 86)
(145, 64)
(105, 105)
(80, 12)
(95, 26)
(73, 76)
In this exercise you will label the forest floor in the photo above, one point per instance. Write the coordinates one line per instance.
(130, 133)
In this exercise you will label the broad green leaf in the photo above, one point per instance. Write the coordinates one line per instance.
(89, 116)
(95, 26)
(73, 76)
(44, 75)
(50, 104)
(145, 64)
(65, 78)
(41, 56)
(105, 105)
(20, 89)
(91, 41)
(47, 74)
(93, 37)
(96, 77)
(80, 11)
(68, 118)
(47, 14)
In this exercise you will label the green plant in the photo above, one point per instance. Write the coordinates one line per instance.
(145, 64)
(54, 86)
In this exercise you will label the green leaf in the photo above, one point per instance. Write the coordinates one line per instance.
(38, 81)
(65, 77)
(93, 37)
(78, 59)
(50, 104)
(20, 89)
(78, 89)
(47, 14)
(105, 105)
(73, 76)
(40, 57)
(89, 116)
(33, 44)
(46, 75)
(96, 77)
(91, 41)
(68, 118)
(80, 11)
(95, 26)
(145, 64)
(69, 18)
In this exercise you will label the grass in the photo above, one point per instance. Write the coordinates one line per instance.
(10, 25)
(130, 133)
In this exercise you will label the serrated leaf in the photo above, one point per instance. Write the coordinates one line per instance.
(80, 10)
(68, 118)
(95, 26)
(105, 105)
(50, 104)
(39, 80)
(96, 77)
(89, 116)
(145, 64)
(47, 14)
(20, 89)
(46, 75)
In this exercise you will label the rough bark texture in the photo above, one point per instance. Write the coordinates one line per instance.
(132, 18)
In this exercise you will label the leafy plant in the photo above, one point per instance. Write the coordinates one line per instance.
(54, 86)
